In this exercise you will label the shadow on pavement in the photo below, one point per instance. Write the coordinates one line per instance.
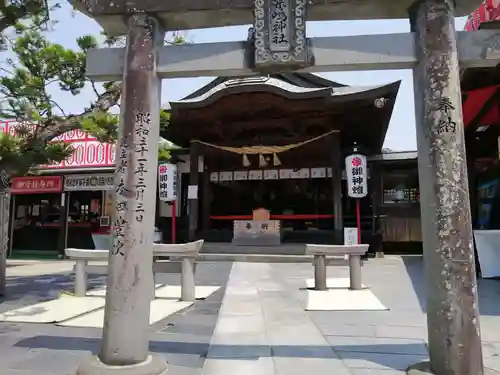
(489, 289)
(23, 290)
(391, 356)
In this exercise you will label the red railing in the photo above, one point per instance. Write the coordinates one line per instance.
(276, 217)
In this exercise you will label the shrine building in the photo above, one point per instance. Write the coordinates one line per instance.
(279, 142)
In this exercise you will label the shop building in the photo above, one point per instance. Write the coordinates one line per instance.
(65, 205)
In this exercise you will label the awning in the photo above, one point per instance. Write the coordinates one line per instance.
(475, 103)
(488, 11)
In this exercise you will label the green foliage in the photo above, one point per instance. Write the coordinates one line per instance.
(163, 153)
(165, 116)
(40, 67)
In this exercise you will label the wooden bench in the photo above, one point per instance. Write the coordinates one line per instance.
(187, 253)
(320, 252)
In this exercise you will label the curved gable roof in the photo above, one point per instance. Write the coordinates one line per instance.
(291, 86)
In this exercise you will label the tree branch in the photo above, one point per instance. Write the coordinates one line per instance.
(12, 14)
(104, 103)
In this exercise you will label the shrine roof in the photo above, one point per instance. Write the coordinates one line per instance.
(196, 14)
(290, 86)
(281, 109)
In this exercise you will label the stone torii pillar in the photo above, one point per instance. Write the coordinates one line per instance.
(452, 301)
(125, 344)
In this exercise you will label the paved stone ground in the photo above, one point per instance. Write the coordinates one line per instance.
(261, 327)
(37, 349)
(387, 342)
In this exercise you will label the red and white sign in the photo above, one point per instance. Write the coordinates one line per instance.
(167, 182)
(89, 153)
(357, 179)
(75, 136)
(36, 185)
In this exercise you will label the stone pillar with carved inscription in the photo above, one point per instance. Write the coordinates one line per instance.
(130, 275)
(279, 35)
(452, 301)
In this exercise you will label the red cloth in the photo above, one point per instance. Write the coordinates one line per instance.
(475, 101)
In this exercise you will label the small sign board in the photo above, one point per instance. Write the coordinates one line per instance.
(36, 185)
(351, 236)
(167, 182)
(80, 182)
(193, 192)
(357, 178)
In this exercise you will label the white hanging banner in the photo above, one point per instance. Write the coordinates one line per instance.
(357, 179)
(167, 182)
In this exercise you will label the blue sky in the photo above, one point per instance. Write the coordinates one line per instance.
(401, 134)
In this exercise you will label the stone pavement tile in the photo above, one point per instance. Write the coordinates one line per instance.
(184, 360)
(50, 362)
(10, 356)
(182, 370)
(373, 318)
(347, 330)
(368, 371)
(192, 329)
(491, 349)
(380, 361)
(260, 366)
(378, 345)
(316, 366)
(16, 372)
(401, 332)
(236, 352)
(492, 363)
(179, 343)
(240, 324)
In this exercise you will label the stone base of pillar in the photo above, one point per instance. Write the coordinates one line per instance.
(424, 368)
(154, 365)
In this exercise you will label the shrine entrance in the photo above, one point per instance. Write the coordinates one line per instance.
(279, 142)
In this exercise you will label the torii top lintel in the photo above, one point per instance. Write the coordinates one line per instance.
(195, 14)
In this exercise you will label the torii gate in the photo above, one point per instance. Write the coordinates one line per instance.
(278, 42)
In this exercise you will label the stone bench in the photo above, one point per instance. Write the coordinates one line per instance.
(187, 253)
(320, 252)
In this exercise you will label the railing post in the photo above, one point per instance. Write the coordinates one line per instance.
(355, 272)
(188, 287)
(81, 277)
(320, 272)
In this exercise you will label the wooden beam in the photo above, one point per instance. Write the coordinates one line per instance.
(194, 154)
(337, 167)
(345, 53)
